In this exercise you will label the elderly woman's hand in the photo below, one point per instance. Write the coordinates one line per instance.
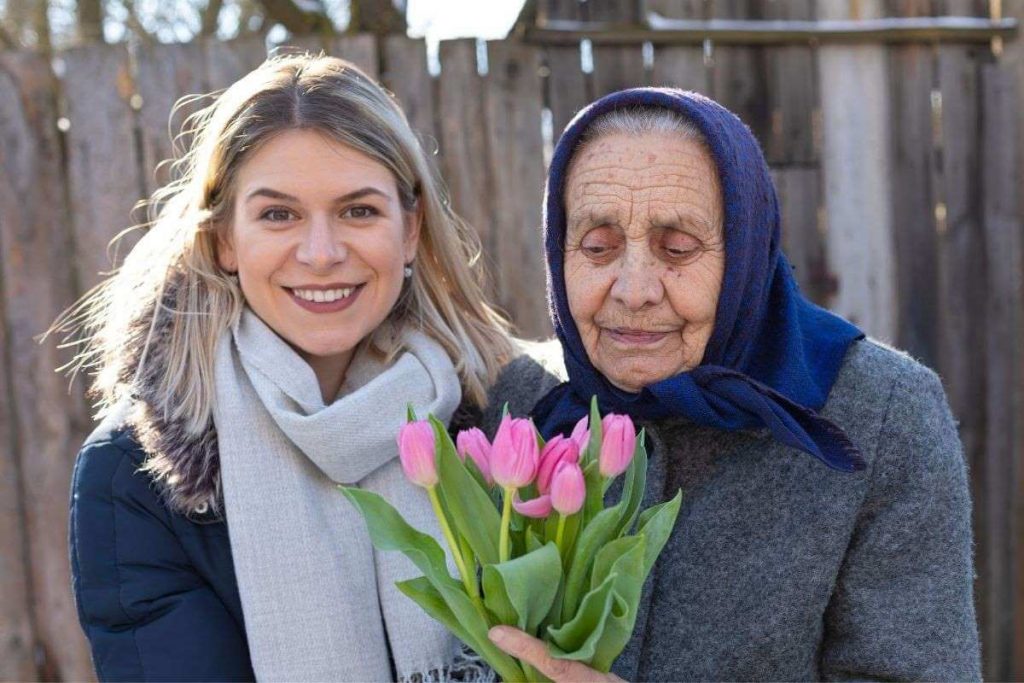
(535, 653)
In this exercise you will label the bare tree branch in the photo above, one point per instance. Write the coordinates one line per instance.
(6, 39)
(90, 20)
(210, 15)
(299, 19)
(135, 25)
(41, 25)
(376, 16)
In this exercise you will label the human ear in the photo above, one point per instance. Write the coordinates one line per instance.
(413, 224)
(227, 259)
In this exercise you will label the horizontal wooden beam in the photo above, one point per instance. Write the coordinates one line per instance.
(660, 30)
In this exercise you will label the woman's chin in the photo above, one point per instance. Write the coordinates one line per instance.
(634, 380)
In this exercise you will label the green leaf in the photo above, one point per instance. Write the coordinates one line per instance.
(472, 511)
(496, 598)
(621, 564)
(431, 601)
(410, 413)
(610, 554)
(633, 487)
(533, 542)
(594, 535)
(594, 482)
(607, 525)
(524, 588)
(656, 525)
(596, 435)
(577, 639)
(389, 531)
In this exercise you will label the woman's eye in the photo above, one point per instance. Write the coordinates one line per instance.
(598, 244)
(277, 215)
(680, 245)
(360, 212)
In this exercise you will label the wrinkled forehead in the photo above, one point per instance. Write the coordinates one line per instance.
(663, 177)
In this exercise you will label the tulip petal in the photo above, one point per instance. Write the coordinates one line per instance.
(536, 508)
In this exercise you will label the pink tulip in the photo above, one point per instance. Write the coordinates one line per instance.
(568, 489)
(474, 443)
(617, 444)
(556, 451)
(537, 508)
(581, 434)
(416, 451)
(514, 453)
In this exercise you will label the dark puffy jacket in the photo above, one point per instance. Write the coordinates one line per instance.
(156, 591)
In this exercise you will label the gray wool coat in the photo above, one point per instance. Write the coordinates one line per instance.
(780, 568)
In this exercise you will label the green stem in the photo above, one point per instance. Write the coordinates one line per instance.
(560, 533)
(468, 580)
(506, 520)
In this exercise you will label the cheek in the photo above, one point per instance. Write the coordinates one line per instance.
(694, 290)
(585, 287)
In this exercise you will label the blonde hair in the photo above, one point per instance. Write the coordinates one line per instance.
(444, 297)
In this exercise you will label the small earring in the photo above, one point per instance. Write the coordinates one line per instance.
(408, 272)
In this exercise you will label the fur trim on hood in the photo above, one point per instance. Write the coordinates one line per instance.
(184, 466)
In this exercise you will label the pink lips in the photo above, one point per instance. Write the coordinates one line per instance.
(635, 337)
(326, 306)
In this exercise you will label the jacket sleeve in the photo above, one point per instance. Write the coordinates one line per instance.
(147, 613)
(902, 608)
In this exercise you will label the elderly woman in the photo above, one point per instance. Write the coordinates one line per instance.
(825, 531)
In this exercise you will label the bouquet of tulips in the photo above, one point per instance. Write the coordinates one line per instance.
(526, 523)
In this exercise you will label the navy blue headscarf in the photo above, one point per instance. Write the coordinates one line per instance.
(773, 355)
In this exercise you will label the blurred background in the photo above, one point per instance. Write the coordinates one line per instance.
(892, 128)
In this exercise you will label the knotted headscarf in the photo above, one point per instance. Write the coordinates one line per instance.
(773, 355)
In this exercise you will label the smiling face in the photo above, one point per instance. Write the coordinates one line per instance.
(319, 240)
(644, 254)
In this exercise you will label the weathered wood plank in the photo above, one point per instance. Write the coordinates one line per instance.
(802, 238)
(617, 68)
(914, 170)
(465, 167)
(857, 167)
(568, 88)
(1012, 61)
(17, 632)
(791, 92)
(103, 166)
(227, 61)
(361, 50)
(165, 74)
(962, 315)
(406, 75)
(1004, 334)
(739, 75)
(514, 102)
(683, 66)
(45, 418)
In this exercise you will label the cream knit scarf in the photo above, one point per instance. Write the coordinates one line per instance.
(319, 603)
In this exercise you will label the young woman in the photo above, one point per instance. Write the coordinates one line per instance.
(302, 282)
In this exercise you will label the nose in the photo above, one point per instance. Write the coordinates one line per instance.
(320, 247)
(638, 283)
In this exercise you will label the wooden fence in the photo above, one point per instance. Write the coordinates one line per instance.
(898, 168)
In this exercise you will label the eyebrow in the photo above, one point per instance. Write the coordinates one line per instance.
(275, 194)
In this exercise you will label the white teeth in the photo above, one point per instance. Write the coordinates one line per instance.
(323, 295)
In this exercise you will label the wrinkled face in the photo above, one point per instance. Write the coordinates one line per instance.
(319, 240)
(644, 255)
